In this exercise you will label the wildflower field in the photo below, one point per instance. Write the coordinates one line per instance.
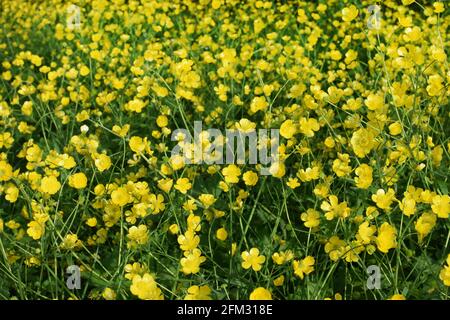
(96, 95)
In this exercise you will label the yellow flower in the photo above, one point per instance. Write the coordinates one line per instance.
(335, 248)
(311, 218)
(68, 162)
(252, 259)
(162, 121)
(408, 206)
(35, 229)
(156, 203)
(78, 180)
(91, 222)
(334, 209)
(84, 71)
(278, 282)
(364, 176)
(192, 261)
(121, 131)
(374, 102)
(309, 126)
(165, 184)
(145, 288)
(50, 185)
(188, 241)
(435, 85)
(190, 205)
(222, 234)
(341, 165)
(135, 105)
(194, 223)
(366, 232)
(102, 162)
(337, 296)
(250, 178)
(231, 173)
(207, 199)
(70, 242)
(395, 128)
(176, 162)
(436, 155)
(138, 236)
(160, 91)
(293, 183)
(12, 224)
(384, 200)
(6, 140)
(260, 293)
(438, 7)
(215, 4)
(198, 293)
(362, 142)
(245, 126)
(257, 104)
(444, 275)
(425, 224)
(120, 197)
(174, 228)
(6, 171)
(441, 206)
(351, 252)
(131, 270)
(329, 142)
(222, 89)
(349, 13)
(397, 297)
(386, 238)
(288, 129)
(33, 153)
(109, 294)
(335, 55)
(183, 185)
(138, 145)
(304, 266)
(277, 169)
(27, 108)
(309, 174)
(12, 193)
(282, 257)
(32, 261)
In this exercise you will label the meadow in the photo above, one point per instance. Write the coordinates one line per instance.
(95, 95)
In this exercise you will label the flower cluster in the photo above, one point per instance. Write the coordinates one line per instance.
(88, 119)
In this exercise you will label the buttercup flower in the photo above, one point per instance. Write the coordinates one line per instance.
(146, 288)
(198, 293)
(252, 259)
(78, 180)
(304, 266)
(386, 238)
(260, 293)
(50, 185)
